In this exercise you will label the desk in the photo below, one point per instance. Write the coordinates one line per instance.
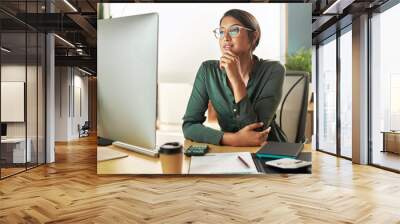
(137, 163)
(16, 153)
(391, 141)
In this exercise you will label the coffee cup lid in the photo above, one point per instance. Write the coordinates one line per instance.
(171, 148)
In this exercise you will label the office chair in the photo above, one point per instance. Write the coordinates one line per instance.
(292, 110)
(84, 130)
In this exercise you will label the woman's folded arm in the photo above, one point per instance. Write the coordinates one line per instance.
(194, 118)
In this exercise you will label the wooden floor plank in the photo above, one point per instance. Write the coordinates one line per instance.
(70, 191)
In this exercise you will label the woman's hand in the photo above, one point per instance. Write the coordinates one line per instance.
(247, 136)
(231, 63)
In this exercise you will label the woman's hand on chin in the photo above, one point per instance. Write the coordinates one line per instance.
(247, 136)
(231, 63)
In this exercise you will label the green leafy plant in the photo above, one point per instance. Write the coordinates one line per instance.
(299, 61)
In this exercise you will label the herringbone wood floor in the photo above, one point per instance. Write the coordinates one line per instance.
(69, 191)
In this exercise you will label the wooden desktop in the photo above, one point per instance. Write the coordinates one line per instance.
(136, 163)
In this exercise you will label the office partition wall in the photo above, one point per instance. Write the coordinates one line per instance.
(13, 79)
(22, 77)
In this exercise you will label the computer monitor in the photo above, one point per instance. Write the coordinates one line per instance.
(3, 130)
(127, 52)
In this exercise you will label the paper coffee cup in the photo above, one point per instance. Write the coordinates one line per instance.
(171, 158)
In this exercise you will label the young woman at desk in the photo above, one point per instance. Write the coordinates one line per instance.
(244, 90)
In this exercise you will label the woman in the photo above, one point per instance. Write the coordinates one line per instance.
(244, 90)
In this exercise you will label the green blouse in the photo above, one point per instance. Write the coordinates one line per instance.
(264, 92)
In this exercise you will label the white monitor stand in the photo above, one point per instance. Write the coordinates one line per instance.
(138, 149)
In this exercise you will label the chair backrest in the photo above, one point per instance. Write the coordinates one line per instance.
(292, 110)
(86, 125)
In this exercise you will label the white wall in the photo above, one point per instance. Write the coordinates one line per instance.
(68, 81)
(80, 83)
(186, 38)
(33, 127)
(61, 103)
(12, 73)
(15, 72)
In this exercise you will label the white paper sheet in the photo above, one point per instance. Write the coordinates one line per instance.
(222, 163)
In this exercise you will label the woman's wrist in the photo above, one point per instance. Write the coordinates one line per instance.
(239, 91)
(238, 87)
(235, 79)
(229, 139)
(237, 83)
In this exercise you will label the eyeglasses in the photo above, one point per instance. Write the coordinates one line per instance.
(233, 31)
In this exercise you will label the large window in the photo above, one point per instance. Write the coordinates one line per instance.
(334, 86)
(327, 96)
(346, 93)
(385, 89)
(334, 106)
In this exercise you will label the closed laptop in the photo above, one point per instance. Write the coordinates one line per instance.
(280, 150)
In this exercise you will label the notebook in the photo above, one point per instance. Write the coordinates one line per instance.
(105, 153)
(222, 163)
(278, 150)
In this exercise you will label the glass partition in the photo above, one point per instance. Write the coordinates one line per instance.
(22, 88)
(13, 108)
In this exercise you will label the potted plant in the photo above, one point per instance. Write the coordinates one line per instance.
(299, 61)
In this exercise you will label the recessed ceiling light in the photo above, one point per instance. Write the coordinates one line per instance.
(337, 7)
(64, 40)
(70, 5)
(84, 71)
(5, 50)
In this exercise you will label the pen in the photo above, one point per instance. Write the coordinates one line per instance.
(244, 162)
